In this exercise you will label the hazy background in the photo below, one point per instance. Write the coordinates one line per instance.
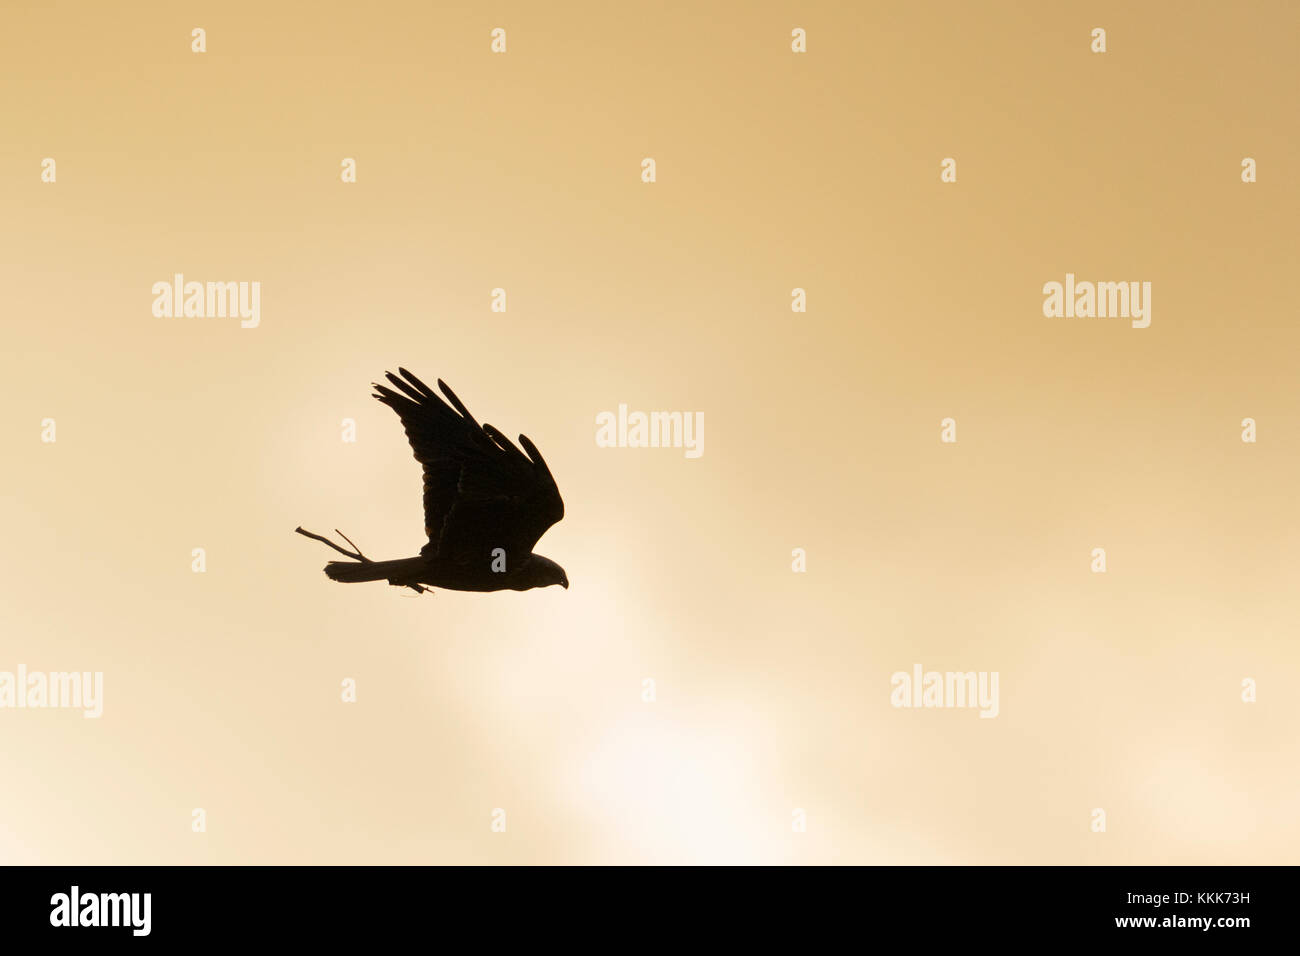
(775, 171)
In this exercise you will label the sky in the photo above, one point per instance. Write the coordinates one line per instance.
(719, 683)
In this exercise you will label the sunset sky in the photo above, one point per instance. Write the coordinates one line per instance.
(774, 171)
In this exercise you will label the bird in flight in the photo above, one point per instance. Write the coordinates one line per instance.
(485, 502)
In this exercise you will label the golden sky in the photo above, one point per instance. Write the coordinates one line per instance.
(774, 171)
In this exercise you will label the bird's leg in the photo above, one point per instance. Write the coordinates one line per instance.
(357, 555)
(408, 584)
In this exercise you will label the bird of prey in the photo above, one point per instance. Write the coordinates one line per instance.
(485, 502)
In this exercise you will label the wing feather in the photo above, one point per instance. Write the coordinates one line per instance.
(480, 491)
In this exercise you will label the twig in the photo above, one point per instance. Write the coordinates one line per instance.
(354, 555)
(349, 541)
(357, 556)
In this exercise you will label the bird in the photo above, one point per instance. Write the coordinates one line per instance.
(486, 503)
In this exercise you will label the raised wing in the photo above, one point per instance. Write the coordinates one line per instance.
(480, 491)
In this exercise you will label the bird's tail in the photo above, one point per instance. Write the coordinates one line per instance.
(401, 571)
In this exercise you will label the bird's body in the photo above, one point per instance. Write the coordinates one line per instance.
(485, 502)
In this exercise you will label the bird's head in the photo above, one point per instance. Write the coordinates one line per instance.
(542, 572)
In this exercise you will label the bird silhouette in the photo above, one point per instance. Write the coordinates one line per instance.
(486, 503)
